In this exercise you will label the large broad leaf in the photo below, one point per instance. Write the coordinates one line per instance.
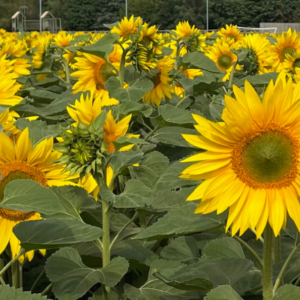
(72, 279)
(150, 168)
(173, 136)
(28, 195)
(10, 293)
(131, 107)
(133, 93)
(288, 292)
(103, 47)
(224, 292)
(181, 221)
(217, 272)
(258, 80)
(99, 295)
(172, 114)
(224, 247)
(54, 233)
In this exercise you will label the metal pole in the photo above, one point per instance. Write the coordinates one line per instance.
(40, 15)
(207, 17)
(126, 8)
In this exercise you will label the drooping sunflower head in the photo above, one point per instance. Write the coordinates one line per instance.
(127, 26)
(161, 81)
(92, 73)
(259, 59)
(231, 32)
(184, 29)
(288, 43)
(251, 165)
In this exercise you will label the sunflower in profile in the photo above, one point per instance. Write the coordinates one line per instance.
(127, 26)
(291, 62)
(162, 82)
(251, 163)
(231, 32)
(259, 59)
(184, 29)
(8, 85)
(21, 160)
(221, 53)
(42, 44)
(92, 73)
(62, 39)
(189, 73)
(288, 43)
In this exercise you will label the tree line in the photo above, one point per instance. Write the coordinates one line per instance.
(92, 14)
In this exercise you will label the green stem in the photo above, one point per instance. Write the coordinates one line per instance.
(67, 71)
(151, 133)
(122, 229)
(47, 289)
(106, 240)
(184, 98)
(281, 273)
(20, 273)
(267, 272)
(15, 274)
(251, 250)
(22, 251)
(230, 84)
(37, 280)
(277, 249)
(122, 67)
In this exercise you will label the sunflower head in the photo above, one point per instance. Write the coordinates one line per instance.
(184, 29)
(231, 32)
(127, 26)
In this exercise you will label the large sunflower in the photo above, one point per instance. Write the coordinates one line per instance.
(161, 80)
(287, 43)
(92, 73)
(251, 164)
(21, 160)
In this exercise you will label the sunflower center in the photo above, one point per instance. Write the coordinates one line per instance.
(13, 215)
(286, 51)
(225, 61)
(266, 159)
(106, 70)
(296, 63)
(231, 36)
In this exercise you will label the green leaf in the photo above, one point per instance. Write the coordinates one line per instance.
(180, 221)
(130, 107)
(288, 292)
(224, 247)
(133, 93)
(135, 195)
(54, 233)
(99, 122)
(99, 295)
(42, 96)
(10, 293)
(150, 168)
(258, 80)
(103, 47)
(72, 279)
(172, 114)
(125, 141)
(224, 292)
(173, 136)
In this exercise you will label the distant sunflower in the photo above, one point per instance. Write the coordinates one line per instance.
(127, 26)
(62, 39)
(184, 29)
(221, 53)
(162, 87)
(92, 73)
(21, 160)
(251, 164)
(288, 43)
(189, 73)
(231, 32)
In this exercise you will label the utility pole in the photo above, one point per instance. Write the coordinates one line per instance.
(207, 17)
(126, 8)
(40, 15)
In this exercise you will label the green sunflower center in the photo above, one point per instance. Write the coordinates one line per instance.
(296, 63)
(286, 51)
(225, 61)
(12, 214)
(268, 157)
(105, 72)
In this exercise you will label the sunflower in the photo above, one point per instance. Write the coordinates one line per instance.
(189, 73)
(259, 58)
(21, 160)
(231, 32)
(184, 29)
(161, 80)
(251, 164)
(8, 85)
(127, 26)
(287, 43)
(291, 62)
(21, 66)
(92, 73)
(62, 39)
(221, 53)
(8, 120)
(42, 45)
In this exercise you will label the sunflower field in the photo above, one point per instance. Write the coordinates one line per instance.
(139, 165)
